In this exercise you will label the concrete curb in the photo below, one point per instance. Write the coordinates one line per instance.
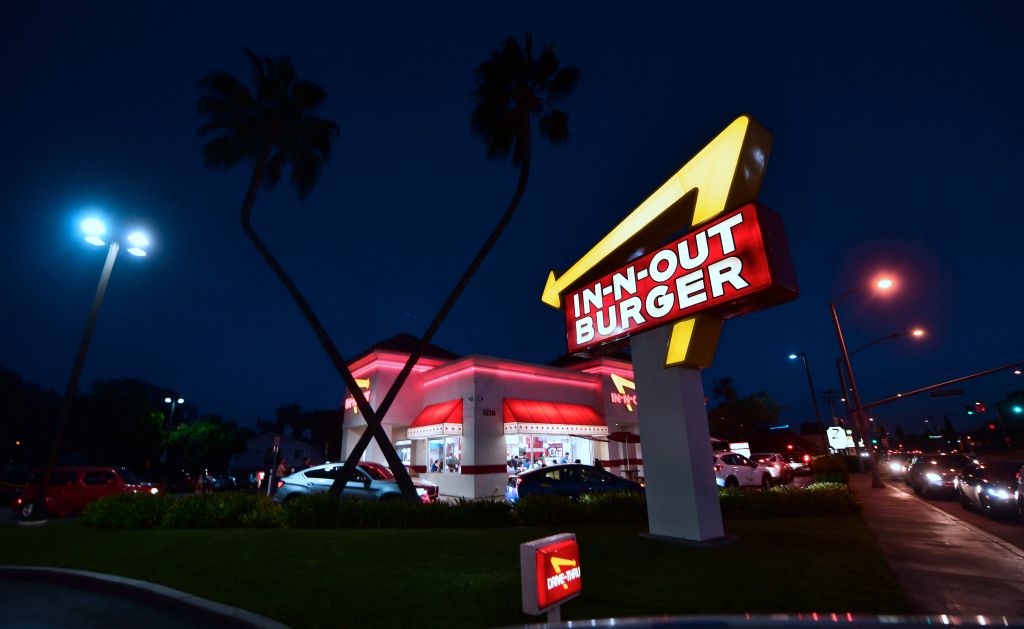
(158, 596)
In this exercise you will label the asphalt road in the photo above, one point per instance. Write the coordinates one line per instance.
(1008, 529)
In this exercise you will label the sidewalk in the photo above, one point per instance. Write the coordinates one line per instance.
(943, 564)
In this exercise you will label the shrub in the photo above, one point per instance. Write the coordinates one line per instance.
(830, 469)
(223, 510)
(817, 499)
(322, 511)
(547, 510)
(596, 508)
(126, 511)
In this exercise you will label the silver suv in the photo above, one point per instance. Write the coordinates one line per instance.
(370, 481)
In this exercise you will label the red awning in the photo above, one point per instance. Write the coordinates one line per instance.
(438, 419)
(538, 417)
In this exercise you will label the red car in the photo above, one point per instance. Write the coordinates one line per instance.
(73, 487)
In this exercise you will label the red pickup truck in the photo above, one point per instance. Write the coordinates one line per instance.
(73, 487)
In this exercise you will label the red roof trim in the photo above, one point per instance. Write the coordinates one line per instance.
(449, 412)
(552, 413)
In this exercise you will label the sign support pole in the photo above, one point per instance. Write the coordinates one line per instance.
(682, 496)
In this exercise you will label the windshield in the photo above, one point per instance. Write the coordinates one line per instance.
(129, 477)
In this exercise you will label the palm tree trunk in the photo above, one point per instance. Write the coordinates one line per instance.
(373, 427)
(396, 387)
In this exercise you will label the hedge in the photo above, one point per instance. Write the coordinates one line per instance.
(830, 469)
(321, 511)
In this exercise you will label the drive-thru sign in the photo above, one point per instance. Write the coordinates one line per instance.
(697, 251)
(550, 572)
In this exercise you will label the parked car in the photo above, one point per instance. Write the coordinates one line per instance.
(570, 480)
(370, 481)
(897, 465)
(994, 488)
(732, 469)
(932, 474)
(72, 488)
(776, 464)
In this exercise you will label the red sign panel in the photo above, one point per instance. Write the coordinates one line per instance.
(558, 573)
(550, 571)
(732, 265)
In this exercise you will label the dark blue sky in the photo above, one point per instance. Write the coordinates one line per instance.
(898, 137)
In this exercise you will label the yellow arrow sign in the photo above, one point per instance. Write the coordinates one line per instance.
(724, 174)
(558, 563)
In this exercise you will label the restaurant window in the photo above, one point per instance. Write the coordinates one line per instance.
(444, 454)
(527, 451)
(404, 448)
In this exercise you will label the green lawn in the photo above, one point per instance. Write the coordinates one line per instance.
(469, 577)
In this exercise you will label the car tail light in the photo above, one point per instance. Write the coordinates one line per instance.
(718, 468)
(280, 484)
(807, 458)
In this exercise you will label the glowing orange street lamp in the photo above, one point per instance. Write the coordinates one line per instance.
(882, 283)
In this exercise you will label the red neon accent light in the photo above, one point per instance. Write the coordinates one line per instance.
(449, 412)
(538, 412)
(505, 373)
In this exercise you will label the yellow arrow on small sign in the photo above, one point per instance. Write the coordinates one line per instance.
(724, 174)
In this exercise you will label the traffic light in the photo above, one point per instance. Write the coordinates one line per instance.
(991, 426)
(969, 408)
(977, 407)
(789, 446)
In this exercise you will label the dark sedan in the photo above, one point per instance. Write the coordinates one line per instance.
(932, 474)
(990, 487)
(569, 481)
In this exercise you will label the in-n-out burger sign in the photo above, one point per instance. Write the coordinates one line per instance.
(550, 572)
(733, 260)
(724, 267)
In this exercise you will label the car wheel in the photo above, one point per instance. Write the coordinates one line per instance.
(732, 482)
(766, 482)
(986, 507)
(917, 490)
(964, 502)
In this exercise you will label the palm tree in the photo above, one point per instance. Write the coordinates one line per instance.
(275, 127)
(513, 89)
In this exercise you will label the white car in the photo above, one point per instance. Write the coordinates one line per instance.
(732, 469)
(776, 465)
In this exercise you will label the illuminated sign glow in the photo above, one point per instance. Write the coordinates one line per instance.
(716, 269)
(621, 384)
(350, 402)
(551, 573)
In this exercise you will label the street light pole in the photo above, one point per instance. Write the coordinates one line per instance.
(814, 396)
(169, 423)
(858, 409)
(39, 507)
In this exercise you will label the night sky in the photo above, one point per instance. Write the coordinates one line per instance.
(898, 136)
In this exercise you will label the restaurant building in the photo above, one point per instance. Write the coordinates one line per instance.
(462, 421)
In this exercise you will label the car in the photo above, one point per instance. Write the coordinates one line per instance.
(732, 469)
(169, 481)
(74, 487)
(933, 474)
(776, 464)
(370, 481)
(799, 461)
(570, 480)
(897, 465)
(992, 487)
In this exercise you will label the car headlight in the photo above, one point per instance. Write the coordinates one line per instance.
(998, 492)
(421, 492)
(154, 491)
(933, 477)
(896, 467)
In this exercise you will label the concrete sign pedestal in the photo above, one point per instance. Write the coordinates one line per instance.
(682, 497)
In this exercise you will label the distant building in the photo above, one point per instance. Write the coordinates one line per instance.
(259, 454)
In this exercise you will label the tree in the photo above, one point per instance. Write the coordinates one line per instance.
(513, 89)
(275, 127)
(208, 442)
(733, 416)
